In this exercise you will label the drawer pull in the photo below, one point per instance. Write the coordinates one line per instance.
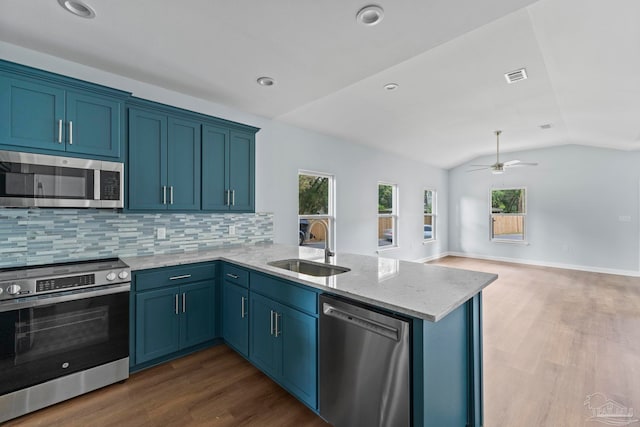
(233, 276)
(184, 276)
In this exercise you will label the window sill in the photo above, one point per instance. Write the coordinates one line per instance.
(511, 242)
(426, 242)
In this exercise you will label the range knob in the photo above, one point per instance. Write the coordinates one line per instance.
(1, 291)
(111, 276)
(123, 274)
(13, 289)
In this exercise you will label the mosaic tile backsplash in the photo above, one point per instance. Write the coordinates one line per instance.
(42, 236)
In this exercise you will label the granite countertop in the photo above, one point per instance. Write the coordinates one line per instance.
(420, 290)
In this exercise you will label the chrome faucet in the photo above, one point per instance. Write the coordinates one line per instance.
(327, 251)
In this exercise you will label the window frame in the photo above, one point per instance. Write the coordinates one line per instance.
(394, 215)
(330, 216)
(433, 215)
(523, 215)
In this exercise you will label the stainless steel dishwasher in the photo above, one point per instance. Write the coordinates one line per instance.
(364, 366)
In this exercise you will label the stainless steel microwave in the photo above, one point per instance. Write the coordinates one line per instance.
(39, 180)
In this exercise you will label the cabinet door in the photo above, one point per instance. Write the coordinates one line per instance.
(31, 114)
(241, 170)
(215, 168)
(298, 335)
(264, 351)
(94, 125)
(235, 317)
(197, 309)
(183, 167)
(157, 324)
(147, 160)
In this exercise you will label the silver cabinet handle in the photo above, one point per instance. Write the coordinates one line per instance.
(171, 195)
(233, 197)
(242, 307)
(59, 131)
(164, 194)
(176, 306)
(233, 276)
(278, 333)
(184, 302)
(70, 132)
(184, 276)
(271, 328)
(227, 195)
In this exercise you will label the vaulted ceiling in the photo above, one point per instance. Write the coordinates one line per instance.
(448, 57)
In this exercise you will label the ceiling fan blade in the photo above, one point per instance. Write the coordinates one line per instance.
(479, 169)
(482, 166)
(511, 162)
(517, 165)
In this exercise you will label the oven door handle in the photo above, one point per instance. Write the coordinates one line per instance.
(30, 302)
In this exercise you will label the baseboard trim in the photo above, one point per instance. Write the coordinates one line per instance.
(630, 273)
(433, 257)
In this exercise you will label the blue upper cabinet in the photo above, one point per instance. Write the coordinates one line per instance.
(93, 125)
(45, 113)
(164, 162)
(228, 165)
(147, 160)
(183, 165)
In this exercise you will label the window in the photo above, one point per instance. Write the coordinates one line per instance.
(508, 214)
(429, 225)
(315, 206)
(387, 215)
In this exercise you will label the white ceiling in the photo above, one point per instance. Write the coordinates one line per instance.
(448, 56)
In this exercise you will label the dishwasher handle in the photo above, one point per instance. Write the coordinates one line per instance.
(367, 324)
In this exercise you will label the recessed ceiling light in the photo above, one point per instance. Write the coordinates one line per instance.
(370, 15)
(546, 126)
(78, 8)
(391, 86)
(266, 81)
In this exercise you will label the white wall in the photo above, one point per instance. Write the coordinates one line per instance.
(281, 150)
(575, 197)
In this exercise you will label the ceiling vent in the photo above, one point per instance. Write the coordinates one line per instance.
(516, 76)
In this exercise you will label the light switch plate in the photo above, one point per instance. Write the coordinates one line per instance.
(161, 233)
(232, 230)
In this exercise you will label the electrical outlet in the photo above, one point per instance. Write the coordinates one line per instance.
(161, 233)
(232, 230)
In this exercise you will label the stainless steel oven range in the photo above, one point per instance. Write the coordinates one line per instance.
(64, 331)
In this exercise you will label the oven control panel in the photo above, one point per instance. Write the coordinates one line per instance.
(46, 285)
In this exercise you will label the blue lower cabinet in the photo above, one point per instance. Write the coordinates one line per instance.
(265, 350)
(197, 309)
(235, 317)
(174, 318)
(284, 345)
(157, 324)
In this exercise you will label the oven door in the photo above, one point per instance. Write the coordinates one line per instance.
(43, 338)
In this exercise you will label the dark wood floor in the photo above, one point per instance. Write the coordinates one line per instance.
(551, 338)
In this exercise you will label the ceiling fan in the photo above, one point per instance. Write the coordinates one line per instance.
(498, 168)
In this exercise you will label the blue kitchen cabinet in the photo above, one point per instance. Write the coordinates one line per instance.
(93, 125)
(283, 339)
(228, 165)
(45, 113)
(197, 309)
(174, 311)
(157, 324)
(164, 162)
(235, 317)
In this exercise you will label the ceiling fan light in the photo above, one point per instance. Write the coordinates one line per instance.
(497, 171)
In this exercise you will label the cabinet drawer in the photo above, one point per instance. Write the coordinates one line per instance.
(236, 275)
(284, 292)
(157, 278)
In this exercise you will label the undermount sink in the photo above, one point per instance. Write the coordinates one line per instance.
(309, 267)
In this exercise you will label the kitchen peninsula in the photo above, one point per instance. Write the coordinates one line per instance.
(443, 306)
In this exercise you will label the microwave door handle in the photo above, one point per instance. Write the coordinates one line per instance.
(96, 184)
